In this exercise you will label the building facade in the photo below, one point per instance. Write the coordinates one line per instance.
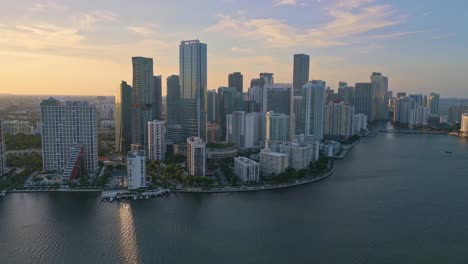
(246, 169)
(157, 143)
(16, 127)
(464, 125)
(244, 129)
(363, 98)
(379, 110)
(276, 126)
(300, 72)
(339, 118)
(136, 169)
(273, 163)
(193, 85)
(66, 126)
(2, 150)
(172, 99)
(359, 123)
(313, 105)
(196, 157)
(433, 102)
(236, 80)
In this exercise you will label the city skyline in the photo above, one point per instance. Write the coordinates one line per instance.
(66, 48)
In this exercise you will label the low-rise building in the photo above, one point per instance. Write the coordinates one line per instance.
(273, 163)
(246, 169)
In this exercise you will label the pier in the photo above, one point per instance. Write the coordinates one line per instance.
(110, 196)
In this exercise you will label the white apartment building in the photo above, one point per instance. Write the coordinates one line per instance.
(66, 126)
(360, 123)
(339, 119)
(246, 169)
(313, 103)
(136, 169)
(300, 155)
(244, 129)
(157, 140)
(196, 156)
(16, 127)
(273, 163)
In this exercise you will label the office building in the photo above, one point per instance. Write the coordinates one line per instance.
(433, 102)
(175, 134)
(193, 82)
(2, 150)
(157, 142)
(346, 93)
(143, 99)
(236, 80)
(196, 157)
(300, 72)
(272, 163)
(379, 110)
(276, 126)
(339, 119)
(69, 138)
(246, 169)
(313, 104)
(123, 123)
(213, 131)
(363, 98)
(157, 105)
(230, 100)
(278, 97)
(298, 115)
(212, 106)
(136, 168)
(172, 99)
(244, 129)
(464, 125)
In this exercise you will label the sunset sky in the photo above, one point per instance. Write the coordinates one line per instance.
(85, 47)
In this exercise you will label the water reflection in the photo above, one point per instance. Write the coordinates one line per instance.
(128, 242)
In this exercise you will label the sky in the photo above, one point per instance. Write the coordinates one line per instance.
(84, 47)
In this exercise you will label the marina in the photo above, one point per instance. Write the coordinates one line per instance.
(110, 196)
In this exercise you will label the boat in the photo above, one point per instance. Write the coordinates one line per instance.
(448, 152)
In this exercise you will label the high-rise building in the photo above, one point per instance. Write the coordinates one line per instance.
(359, 123)
(236, 80)
(346, 93)
(402, 108)
(300, 72)
(143, 99)
(273, 163)
(299, 154)
(157, 140)
(401, 94)
(196, 156)
(379, 90)
(69, 138)
(298, 115)
(419, 116)
(464, 125)
(266, 80)
(123, 123)
(313, 105)
(276, 126)
(278, 97)
(455, 112)
(157, 105)
(213, 132)
(418, 99)
(433, 102)
(175, 134)
(230, 100)
(342, 85)
(212, 107)
(16, 127)
(193, 84)
(339, 119)
(246, 169)
(363, 98)
(136, 168)
(244, 129)
(2, 151)
(173, 99)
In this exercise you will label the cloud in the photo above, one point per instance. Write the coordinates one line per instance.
(85, 21)
(348, 19)
(242, 50)
(285, 2)
(142, 30)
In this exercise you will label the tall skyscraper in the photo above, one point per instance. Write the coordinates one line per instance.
(69, 138)
(402, 108)
(236, 80)
(418, 99)
(136, 168)
(212, 108)
(346, 94)
(313, 105)
(157, 105)
(339, 119)
(433, 102)
(379, 90)
(300, 72)
(230, 100)
(363, 98)
(244, 129)
(157, 140)
(173, 99)
(193, 82)
(298, 115)
(278, 97)
(196, 156)
(143, 99)
(123, 124)
(276, 127)
(2, 151)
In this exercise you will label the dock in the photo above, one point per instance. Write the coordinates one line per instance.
(110, 196)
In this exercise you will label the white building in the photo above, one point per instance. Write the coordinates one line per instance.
(107, 124)
(299, 155)
(433, 102)
(196, 156)
(331, 148)
(273, 163)
(244, 129)
(419, 116)
(339, 118)
(157, 140)
(359, 123)
(402, 108)
(246, 169)
(276, 126)
(313, 104)
(2, 151)
(66, 126)
(17, 127)
(136, 169)
(464, 125)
